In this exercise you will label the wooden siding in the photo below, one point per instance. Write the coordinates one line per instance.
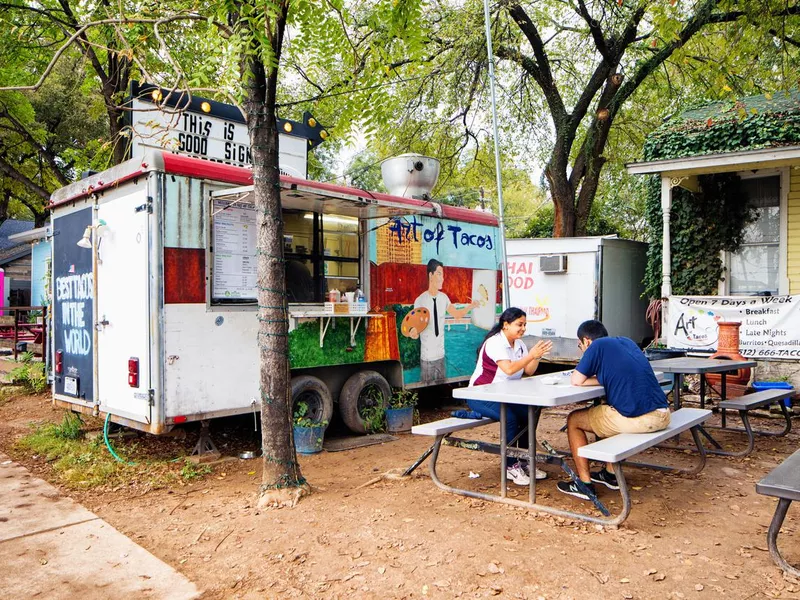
(793, 231)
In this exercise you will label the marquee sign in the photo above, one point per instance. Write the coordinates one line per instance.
(195, 126)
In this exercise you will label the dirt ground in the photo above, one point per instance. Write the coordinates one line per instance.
(698, 536)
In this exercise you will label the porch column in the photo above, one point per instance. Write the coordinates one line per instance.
(666, 255)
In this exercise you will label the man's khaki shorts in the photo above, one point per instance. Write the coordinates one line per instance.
(605, 421)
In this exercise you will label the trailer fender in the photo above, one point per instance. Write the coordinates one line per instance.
(362, 391)
(316, 395)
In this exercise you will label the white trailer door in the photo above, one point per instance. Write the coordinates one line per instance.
(123, 307)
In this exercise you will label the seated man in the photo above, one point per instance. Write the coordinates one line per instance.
(634, 400)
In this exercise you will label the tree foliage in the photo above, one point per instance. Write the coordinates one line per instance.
(567, 75)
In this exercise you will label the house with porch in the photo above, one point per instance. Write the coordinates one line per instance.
(724, 216)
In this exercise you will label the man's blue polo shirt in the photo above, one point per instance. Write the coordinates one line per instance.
(622, 369)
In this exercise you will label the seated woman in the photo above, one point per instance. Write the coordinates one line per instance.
(503, 356)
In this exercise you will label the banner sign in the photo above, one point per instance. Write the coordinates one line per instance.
(770, 324)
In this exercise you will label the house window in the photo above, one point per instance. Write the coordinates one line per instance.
(755, 268)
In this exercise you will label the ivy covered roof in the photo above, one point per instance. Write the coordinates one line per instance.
(752, 123)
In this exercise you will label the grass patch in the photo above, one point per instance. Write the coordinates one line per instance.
(30, 374)
(83, 462)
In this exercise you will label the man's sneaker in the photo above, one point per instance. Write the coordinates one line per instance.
(571, 488)
(539, 473)
(606, 478)
(517, 474)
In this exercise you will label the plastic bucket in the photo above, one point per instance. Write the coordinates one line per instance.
(399, 420)
(774, 385)
(308, 440)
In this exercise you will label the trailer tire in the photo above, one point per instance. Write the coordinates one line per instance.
(357, 394)
(316, 395)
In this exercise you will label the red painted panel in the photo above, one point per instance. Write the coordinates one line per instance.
(400, 283)
(184, 276)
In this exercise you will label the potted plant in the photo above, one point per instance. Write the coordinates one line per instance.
(400, 413)
(308, 434)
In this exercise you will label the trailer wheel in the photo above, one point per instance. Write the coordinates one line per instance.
(361, 394)
(316, 395)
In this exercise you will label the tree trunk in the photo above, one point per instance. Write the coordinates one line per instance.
(113, 93)
(281, 483)
(561, 191)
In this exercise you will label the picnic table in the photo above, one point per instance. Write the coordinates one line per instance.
(537, 393)
(701, 366)
(688, 365)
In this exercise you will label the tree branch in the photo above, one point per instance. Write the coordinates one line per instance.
(543, 75)
(31, 185)
(596, 31)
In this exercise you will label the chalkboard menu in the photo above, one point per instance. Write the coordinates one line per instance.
(73, 305)
(234, 239)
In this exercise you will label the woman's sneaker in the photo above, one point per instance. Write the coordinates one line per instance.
(571, 488)
(517, 474)
(539, 473)
(607, 479)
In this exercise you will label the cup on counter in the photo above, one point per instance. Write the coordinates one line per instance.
(351, 296)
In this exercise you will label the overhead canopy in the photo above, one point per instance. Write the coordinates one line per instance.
(309, 198)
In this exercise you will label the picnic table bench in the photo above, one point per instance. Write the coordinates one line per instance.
(615, 450)
(783, 482)
(749, 402)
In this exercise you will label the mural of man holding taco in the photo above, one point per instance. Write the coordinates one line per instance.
(426, 323)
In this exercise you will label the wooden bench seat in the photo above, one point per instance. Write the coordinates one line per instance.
(783, 482)
(620, 447)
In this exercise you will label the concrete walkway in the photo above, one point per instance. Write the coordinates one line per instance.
(51, 547)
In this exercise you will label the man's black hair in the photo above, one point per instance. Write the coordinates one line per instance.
(433, 264)
(592, 330)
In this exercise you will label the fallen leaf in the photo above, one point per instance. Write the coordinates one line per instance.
(381, 570)
(624, 580)
(660, 577)
(651, 571)
(699, 587)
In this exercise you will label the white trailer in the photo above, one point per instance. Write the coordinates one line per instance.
(561, 282)
(153, 291)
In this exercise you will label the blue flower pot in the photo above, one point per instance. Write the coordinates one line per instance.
(308, 440)
(399, 420)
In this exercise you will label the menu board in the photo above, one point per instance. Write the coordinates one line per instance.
(234, 239)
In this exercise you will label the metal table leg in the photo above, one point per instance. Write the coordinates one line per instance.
(702, 390)
(723, 396)
(533, 422)
(503, 455)
(772, 537)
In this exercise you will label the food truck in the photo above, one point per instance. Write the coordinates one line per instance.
(561, 282)
(154, 290)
